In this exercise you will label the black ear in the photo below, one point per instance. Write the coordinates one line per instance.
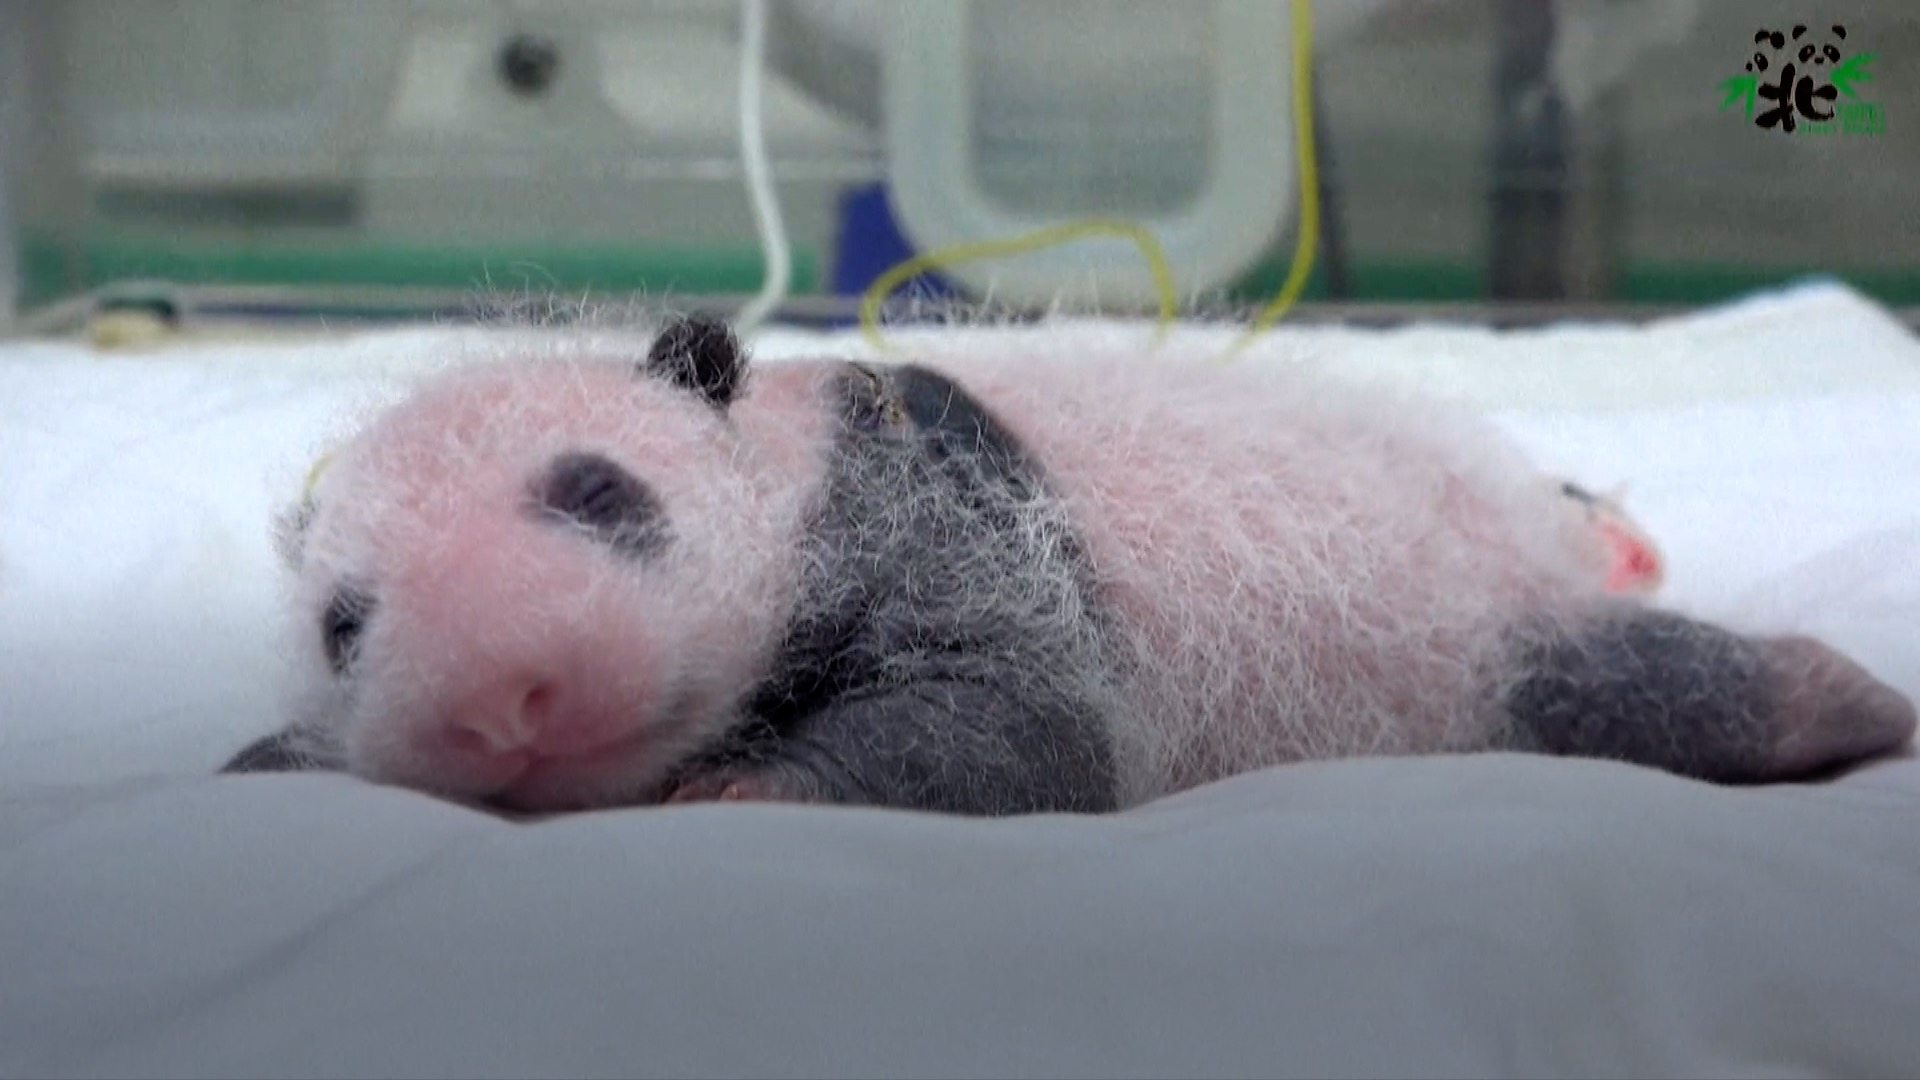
(1840, 32)
(700, 353)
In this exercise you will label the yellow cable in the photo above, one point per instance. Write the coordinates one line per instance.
(1150, 249)
(1051, 236)
(1296, 281)
(1309, 180)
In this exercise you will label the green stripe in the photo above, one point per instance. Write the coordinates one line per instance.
(1713, 283)
(1412, 281)
(48, 271)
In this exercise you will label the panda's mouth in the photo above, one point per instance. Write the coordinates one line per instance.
(630, 770)
(558, 782)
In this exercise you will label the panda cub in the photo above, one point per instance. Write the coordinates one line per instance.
(1002, 586)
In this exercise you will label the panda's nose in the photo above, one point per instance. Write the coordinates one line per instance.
(511, 715)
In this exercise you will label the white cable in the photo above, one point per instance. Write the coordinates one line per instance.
(753, 156)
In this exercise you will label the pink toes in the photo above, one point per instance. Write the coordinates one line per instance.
(1832, 712)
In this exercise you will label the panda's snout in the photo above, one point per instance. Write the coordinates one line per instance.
(510, 717)
(498, 727)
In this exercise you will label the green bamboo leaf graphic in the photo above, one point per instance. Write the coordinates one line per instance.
(1854, 70)
(1747, 86)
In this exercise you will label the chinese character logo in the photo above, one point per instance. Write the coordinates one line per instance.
(1799, 81)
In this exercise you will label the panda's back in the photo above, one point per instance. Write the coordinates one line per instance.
(1301, 567)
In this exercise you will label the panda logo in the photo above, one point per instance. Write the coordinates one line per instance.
(1809, 53)
(1819, 55)
(1803, 89)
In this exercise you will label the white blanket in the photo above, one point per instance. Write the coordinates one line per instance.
(1496, 915)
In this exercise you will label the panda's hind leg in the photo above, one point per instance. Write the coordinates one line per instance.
(1637, 684)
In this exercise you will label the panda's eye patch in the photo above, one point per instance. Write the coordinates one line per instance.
(612, 504)
(341, 624)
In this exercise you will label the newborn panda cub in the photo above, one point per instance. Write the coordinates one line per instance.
(993, 587)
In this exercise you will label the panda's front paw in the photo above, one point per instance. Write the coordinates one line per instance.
(725, 786)
(766, 781)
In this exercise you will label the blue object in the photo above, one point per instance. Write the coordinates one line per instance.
(871, 243)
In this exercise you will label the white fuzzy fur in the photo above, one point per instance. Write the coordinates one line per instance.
(1306, 568)
(427, 506)
(1302, 568)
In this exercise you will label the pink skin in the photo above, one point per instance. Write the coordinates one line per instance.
(1415, 518)
(1635, 563)
(1303, 569)
(724, 789)
(1833, 709)
(514, 659)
